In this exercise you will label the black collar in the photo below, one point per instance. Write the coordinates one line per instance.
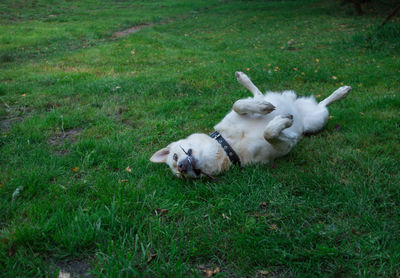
(227, 148)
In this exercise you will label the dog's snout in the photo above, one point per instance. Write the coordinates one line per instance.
(183, 165)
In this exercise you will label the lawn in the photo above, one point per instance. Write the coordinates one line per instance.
(82, 110)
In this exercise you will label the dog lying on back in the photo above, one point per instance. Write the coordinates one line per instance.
(258, 130)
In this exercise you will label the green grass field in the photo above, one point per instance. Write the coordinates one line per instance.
(82, 111)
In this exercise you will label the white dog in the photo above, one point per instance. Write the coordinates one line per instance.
(259, 129)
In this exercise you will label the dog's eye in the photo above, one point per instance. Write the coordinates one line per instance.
(175, 157)
(190, 151)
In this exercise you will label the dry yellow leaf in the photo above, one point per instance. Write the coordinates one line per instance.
(75, 169)
(317, 60)
(128, 169)
(263, 272)
(334, 77)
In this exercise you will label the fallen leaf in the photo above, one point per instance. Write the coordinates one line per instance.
(334, 77)
(225, 217)
(128, 169)
(161, 211)
(263, 272)
(63, 274)
(207, 273)
(75, 169)
(317, 60)
(295, 69)
(210, 272)
(216, 270)
(11, 251)
(273, 227)
(151, 257)
(263, 204)
(303, 73)
(23, 95)
(118, 87)
(354, 231)
(123, 180)
(133, 51)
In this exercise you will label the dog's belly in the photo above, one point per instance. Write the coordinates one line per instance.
(245, 133)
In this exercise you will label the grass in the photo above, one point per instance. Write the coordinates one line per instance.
(78, 106)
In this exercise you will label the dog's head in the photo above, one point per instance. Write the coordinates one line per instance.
(196, 156)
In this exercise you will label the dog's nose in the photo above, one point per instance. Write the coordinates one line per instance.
(183, 165)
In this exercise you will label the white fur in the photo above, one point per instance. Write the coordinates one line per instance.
(259, 129)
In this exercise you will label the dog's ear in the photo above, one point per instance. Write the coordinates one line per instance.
(160, 156)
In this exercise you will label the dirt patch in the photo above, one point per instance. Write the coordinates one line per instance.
(137, 28)
(60, 139)
(76, 268)
(7, 123)
(131, 30)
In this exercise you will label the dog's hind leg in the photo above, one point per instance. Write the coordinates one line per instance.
(315, 115)
(277, 134)
(253, 105)
(246, 82)
(340, 93)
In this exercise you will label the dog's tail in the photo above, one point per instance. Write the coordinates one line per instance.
(315, 115)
